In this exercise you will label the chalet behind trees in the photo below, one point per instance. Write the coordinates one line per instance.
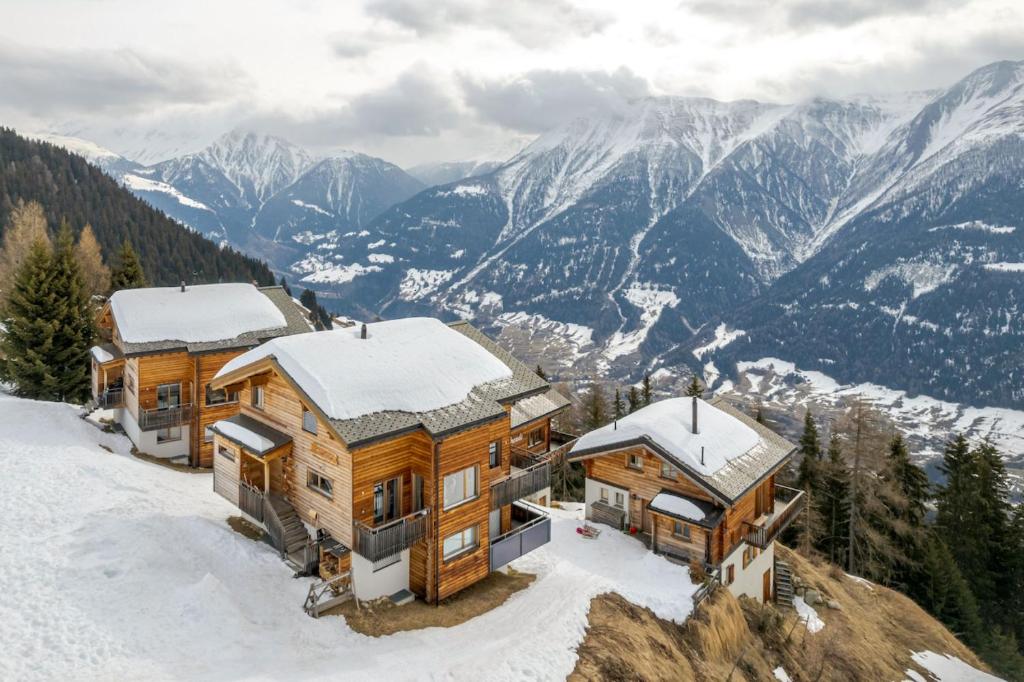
(697, 480)
(407, 447)
(164, 344)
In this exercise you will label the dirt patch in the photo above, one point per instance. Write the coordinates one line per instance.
(384, 618)
(244, 528)
(168, 464)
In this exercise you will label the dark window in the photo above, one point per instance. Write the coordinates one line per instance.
(257, 397)
(386, 496)
(308, 421)
(319, 483)
(535, 437)
(494, 453)
(225, 452)
(635, 462)
(218, 396)
(730, 574)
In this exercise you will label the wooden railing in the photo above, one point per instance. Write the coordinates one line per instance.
(250, 500)
(380, 543)
(110, 398)
(328, 593)
(165, 418)
(711, 583)
(763, 535)
(520, 484)
(275, 529)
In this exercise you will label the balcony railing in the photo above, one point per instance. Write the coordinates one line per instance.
(250, 500)
(534, 530)
(521, 483)
(110, 398)
(381, 543)
(165, 417)
(789, 502)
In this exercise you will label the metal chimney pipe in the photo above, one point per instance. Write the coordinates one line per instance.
(695, 415)
(362, 332)
(182, 286)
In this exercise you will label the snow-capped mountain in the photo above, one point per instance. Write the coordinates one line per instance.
(651, 225)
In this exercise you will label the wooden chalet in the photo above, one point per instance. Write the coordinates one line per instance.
(397, 455)
(164, 345)
(696, 481)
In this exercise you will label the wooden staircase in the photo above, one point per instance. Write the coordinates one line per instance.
(290, 537)
(327, 594)
(783, 584)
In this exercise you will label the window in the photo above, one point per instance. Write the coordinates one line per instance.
(668, 471)
(257, 397)
(308, 421)
(494, 453)
(620, 500)
(168, 435)
(387, 497)
(226, 453)
(460, 543)
(319, 483)
(535, 437)
(681, 531)
(417, 492)
(460, 486)
(635, 462)
(208, 435)
(730, 574)
(218, 396)
(168, 396)
(604, 495)
(746, 557)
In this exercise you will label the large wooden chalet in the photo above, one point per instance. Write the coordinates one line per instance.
(398, 453)
(696, 480)
(163, 346)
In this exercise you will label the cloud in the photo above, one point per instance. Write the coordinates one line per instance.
(539, 100)
(803, 14)
(532, 23)
(49, 81)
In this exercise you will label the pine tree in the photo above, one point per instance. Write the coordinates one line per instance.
(645, 390)
(833, 502)
(619, 406)
(633, 398)
(74, 329)
(810, 453)
(911, 480)
(759, 414)
(940, 588)
(284, 285)
(26, 226)
(127, 273)
(541, 373)
(95, 274)
(28, 343)
(695, 388)
(595, 411)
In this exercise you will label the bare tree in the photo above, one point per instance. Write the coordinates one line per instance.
(26, 226)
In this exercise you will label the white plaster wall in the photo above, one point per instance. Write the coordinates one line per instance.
(535, 498)
(368, 584)
(749, 580)
(592, 493)
(145, 441)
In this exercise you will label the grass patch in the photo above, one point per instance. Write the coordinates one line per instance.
(244, 528)
(384, 618)
(168, 464)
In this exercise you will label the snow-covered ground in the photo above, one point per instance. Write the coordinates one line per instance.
(946, 668)
(808, 615)
(114, 568)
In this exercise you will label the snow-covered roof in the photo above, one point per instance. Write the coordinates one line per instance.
(535, 407)
(729, 453)
(200, 313)
(415, 364)
(251, 434)
(680, 506)
(105, 353)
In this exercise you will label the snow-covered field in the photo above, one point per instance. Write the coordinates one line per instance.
(946, 668)
(113, 568)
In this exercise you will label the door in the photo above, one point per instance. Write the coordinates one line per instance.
(168, 397)
(766, 586)
(387, 500)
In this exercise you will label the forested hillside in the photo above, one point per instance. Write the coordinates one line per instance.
(71, 189)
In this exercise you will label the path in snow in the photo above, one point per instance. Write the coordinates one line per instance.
(114, 568)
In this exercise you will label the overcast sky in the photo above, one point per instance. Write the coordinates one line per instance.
(418, 80)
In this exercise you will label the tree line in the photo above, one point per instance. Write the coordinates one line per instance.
(50, 287)
(956, 548)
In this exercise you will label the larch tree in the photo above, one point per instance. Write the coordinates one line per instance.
(595, 409)
(127, 272)
(95, 273)
(28, 344)
(27, 225)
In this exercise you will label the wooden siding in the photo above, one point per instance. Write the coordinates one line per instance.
(131, 387)
(205, 367)
(226, 472)
(520, 436)
(665, 541)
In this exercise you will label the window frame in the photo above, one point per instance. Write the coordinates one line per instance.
(730, 574)
(619, 495)
(465, 548)
(327, 491)
(494, 448)
(672, 471)
(684, 532)
(257, 398)
(603, 494)
(316, 422)
(170, 437)
(475, 468)
(228, 399)
(635, 462)
(539, 433)
(225, 452)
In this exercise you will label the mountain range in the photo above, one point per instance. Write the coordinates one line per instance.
(877, 238)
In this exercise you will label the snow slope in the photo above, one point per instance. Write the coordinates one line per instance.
(136, 566)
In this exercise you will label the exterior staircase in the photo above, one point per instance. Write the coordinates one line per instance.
(290, 536)
(783, 584)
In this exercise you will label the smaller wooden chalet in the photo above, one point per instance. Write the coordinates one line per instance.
(696, 480)
(164, 344)
(398, 456)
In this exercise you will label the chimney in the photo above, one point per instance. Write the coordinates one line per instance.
(362, 331)
(182, 286)
(695, 415)
(702, 455)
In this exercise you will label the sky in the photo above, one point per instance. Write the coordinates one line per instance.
(417, 81)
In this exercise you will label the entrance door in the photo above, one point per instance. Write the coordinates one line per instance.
(387, 500)
(766, 586)
(168, 396)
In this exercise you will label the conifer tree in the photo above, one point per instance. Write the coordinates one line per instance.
(695, 388)
(911, 480)
(95, 273)
(595, 409)
(618, 406)
(541, 373)
(127, 273)
(810, 453)
(633, 399)
(26, 226)
(833, 502)
(74, 329)
(759, 414)
(284, 285)
(28, 343)
(645, 390)
(941, 589)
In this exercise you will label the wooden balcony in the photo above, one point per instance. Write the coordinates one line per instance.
(382, 543)
(789, 502)
(110, 398)
(534, 477)
(165, 418)
(531, 529)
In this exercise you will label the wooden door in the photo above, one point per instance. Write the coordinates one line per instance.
(766, 586)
